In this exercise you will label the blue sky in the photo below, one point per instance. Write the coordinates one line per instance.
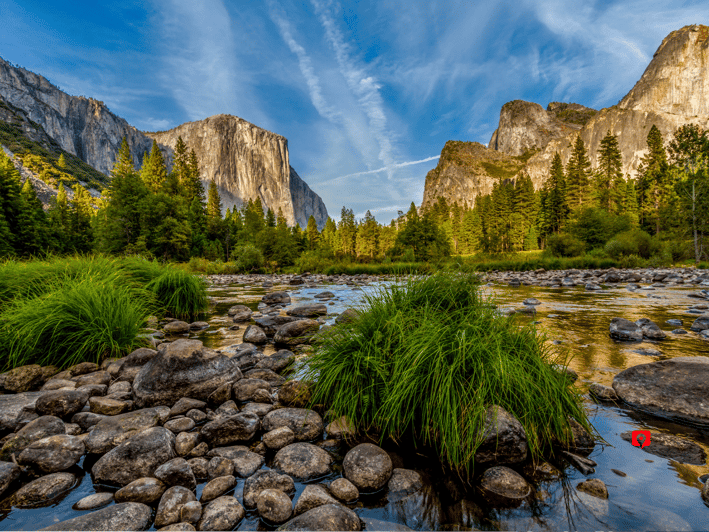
(363, 91)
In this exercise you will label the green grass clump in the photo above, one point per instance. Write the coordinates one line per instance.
(425, 359)
(74, 320)
(180, 293)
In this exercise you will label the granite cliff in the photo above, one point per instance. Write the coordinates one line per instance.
(244, 160)
(673, 91)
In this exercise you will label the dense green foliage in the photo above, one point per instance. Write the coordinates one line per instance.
(424, 359)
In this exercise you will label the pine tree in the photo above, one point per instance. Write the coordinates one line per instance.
(610, 175)
(368, 237)
(180, 164)
(154, 171)
(214, 212)
(59, 220)
(61, 162)
(472, 231)
(556, 205)
(81, 213)
(578, 176)
(328, 237)
(34, 230)
(347, 231)
(11, 200)
(311, 232)
(631, 203)
(653, 183)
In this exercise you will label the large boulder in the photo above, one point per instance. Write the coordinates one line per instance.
(325, 517)
(676, 388)
(305, 424)
(136, 457)
(34, 431)
(125, 516)
(303, 461)
(113, 430)
(367, 466)
(184, 369)
(227, 430)
(504, 439)
(296, 332)
(53, 453)
(25, 378)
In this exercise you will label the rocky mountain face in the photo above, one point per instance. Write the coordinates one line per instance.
(673, 91)
(244, 160)
(247, 162)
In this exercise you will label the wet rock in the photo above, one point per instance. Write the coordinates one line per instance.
(595, 487)
(341, 429)
(275, 506)
(108, 406)
(246, 463)
(379, 525)
(277, 362)
(170, 504)
(255, 335)
(58, 384)
(136, 457)
(582, 442)
(326, 517)
(185, 404)
(592, 287)
(308, 310)
(176, 472)
(199, 450)
(53, 453)
(125, 516)
(111, 431)
(119, 387)
(625, 330)
(303, 461)
(61, 403)
(35, 430)
(245, 388)
(227, 409)
(278, 438)
(367, 466)
(9, 472)
(220, 467)
(24, 378)
(93, 502)
(602, 393)
(295, 393)
(199, 467)
(348, 316)
(276, 298)
(344, 490)
(86, 420)
(187, 527)
(260, 409)
(676, 388)
(504, 439)
(176, 327)
(674, 323)
(180, 424)
(262, 480)
(271, 377)
(305, 424)
(17, 409)
(584, 465)
(504, 486)
(650, 329)
(700, 324)
(198, 325)
(296, 332)
(237, 428)
(190, 512)
(270, 324)
(196, 415)
(185, 442)
(403, 482)
(531, 301)
(240, 313)
(672, 447)
(184, 369)
(223, 513)
(217, 487)
(102, 378)
(43, 491)
(313, 496)
(324, 295)
(146, 490)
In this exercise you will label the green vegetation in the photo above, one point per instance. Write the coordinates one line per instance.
(62, 311)
(423, 361)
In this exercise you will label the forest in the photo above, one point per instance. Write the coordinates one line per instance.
(661, 214)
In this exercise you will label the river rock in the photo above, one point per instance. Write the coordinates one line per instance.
(170, 504)
(582, 442)
(348, 316)
(125, 516)
(240, 313)
(295, 393)
(271, 377)
(504, 439)
(17, 409)
(308, 310)
(35, 430)
(303, 461)
(404, 482)
(367, 466)
(180, 424)
(700, 324)
(119, 387)
(625, 330)
(93, 502)
(61, 403)
(504, 486)
(246, 463)
(227, 409)
(270, 324)
(199, 466)
(220, 467)
(245, 388)
(233, 429)
(176, 472)
(185, 404)
(9, 473)
(184, 369)
(25, 378)
(313, 496)
(265, 479)
(43, 491)
(220, 395)
(140, 357)
(136, 457)
(102, 378)
(82, 368)
(109, 406)
(595, 487)
(111, 431)
(255, 335)
(305, 424)
(260, 409)
(296, 332)
(602, 393)
(276, 362)
(53, 453)
(176, 327)
(217, 487)
(672, 447)
(58, 384)
(186, 527)
(278, 438)
(341, 429)
(190, 512)
(326, 517)
(344, 490)
(676, 388)
(276, 298)
(650, 329)
(274, 506)
(146, 490)
(223, 513)
(185, 442)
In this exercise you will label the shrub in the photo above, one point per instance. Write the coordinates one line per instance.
(565, 245)
(248, 258)
(596, 226)
(425, 359)
(313, 261)
(633, 242)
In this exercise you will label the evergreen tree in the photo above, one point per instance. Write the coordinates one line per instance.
(368, 237)
(34, 229)
(557, 205)
(11, 201)
(578, 173)
(311, 232)
(81, 213)
(61, 162)
(59, 220)
(654, 186)
(214, 212)
(610, 174)
(347, 232)
(154, 171)
(180, 165)
(328, 237)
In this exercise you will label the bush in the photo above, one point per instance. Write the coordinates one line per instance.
(596, 226)
(633, 242)
(179, 293)
(425, 359)
(313, 261)
(565, 245)
(248, 258)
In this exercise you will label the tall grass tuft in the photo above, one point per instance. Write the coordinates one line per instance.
(180, 293)
(424, 360)
(74, 320)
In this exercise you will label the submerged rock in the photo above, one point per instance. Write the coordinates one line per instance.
(672, 447)
(504, 440)
(275, 506)
(43, 491)
(595, 487)
(9, 472)
(303, 461)
(125, 516)
(504, 486)
(53, 453)
(625, 330)
(367, 466)
(326, 517)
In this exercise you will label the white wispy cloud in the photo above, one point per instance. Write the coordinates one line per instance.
(387, 169)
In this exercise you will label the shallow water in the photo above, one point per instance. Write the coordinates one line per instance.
(656, 494)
